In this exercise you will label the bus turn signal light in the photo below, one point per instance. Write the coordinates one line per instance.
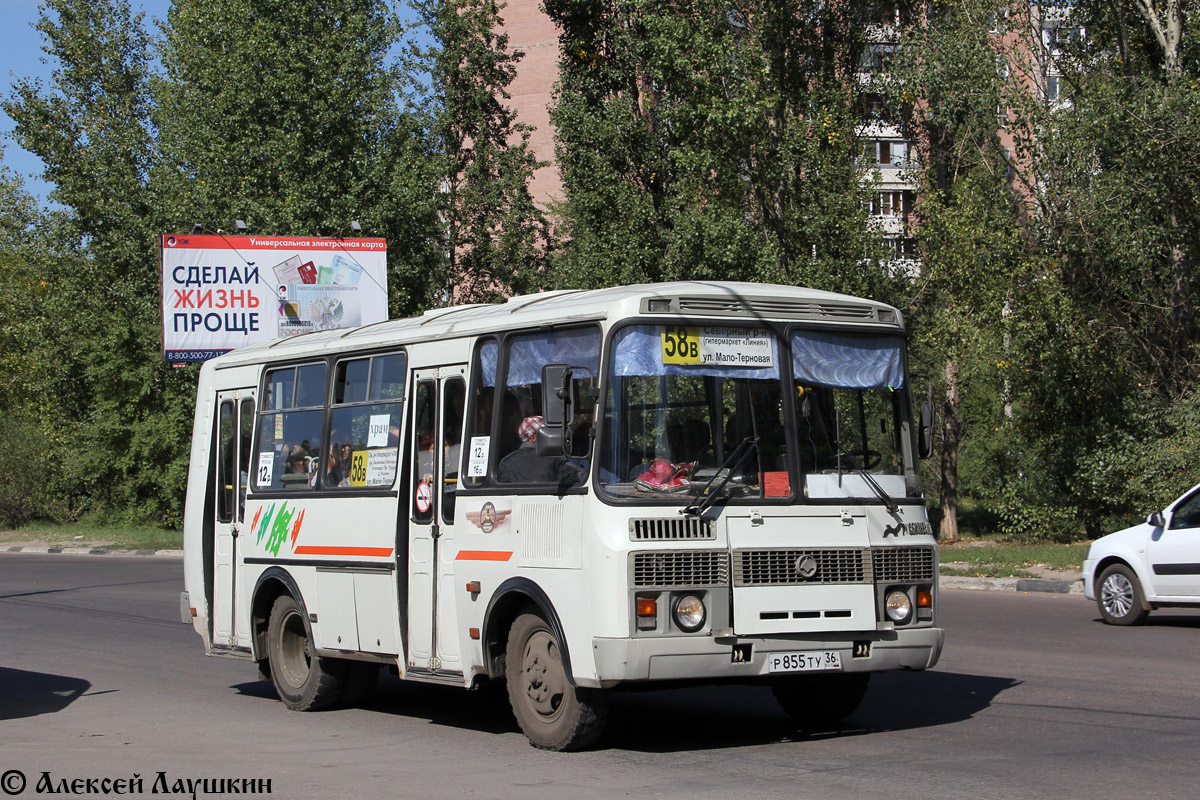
(647, 612)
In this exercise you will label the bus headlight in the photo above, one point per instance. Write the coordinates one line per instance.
(899, 607)
(689, 612)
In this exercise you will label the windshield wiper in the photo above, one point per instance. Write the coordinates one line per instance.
(708, 498)
(888, 502)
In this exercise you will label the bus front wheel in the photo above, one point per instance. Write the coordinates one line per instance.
(553, 713)
(303, 680)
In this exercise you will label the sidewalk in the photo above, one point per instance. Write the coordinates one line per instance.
(81, 548)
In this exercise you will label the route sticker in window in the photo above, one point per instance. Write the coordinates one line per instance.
(725, 347)
(378, 434)
(358, 468)
(477, 465)
(424, 497)
(266, 465)
(381, 467)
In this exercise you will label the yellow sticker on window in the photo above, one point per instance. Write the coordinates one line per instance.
(681, 345)
(358, 468)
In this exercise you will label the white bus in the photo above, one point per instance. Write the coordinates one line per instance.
(570, 492)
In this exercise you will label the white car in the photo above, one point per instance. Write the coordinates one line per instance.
(1152, 565)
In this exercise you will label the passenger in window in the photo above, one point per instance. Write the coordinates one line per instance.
(334, 469)
(524, 465)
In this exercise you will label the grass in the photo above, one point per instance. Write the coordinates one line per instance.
(113, 538)
(994, 558)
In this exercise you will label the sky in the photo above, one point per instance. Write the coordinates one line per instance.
(21, 56)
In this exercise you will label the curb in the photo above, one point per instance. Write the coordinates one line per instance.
(92, 551)
(1011, 584)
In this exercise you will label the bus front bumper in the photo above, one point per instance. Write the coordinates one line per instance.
(734, 658)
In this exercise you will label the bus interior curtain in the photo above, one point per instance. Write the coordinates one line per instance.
(847, 361)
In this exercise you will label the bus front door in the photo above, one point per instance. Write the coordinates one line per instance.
(438, 399)
(235, 420)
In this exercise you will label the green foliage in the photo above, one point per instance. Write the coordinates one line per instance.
(24, 490)
(286, 116)
(496, 240)
(282, 116)
(1108, 357)
(972, 240)
(703, 140)
(106, 398)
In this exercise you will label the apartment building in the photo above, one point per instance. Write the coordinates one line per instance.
(888, 150)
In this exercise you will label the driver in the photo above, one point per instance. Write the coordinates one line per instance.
(524, 465)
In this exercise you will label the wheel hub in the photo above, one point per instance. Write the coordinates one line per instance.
(542, 669)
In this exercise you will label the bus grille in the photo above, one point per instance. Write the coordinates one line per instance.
(903, 564)
(781, 567)
(767, 307)
(670, 568)
(657, 530)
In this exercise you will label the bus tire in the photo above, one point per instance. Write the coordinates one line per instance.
(821, 699)
(303, 680)
(553, 713)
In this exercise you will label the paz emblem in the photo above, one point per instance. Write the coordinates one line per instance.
(806, 566)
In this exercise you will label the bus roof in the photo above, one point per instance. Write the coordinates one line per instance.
(685, 299)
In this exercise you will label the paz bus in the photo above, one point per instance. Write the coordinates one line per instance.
(569, 493)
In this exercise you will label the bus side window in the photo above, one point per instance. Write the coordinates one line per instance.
(479, 429)
(363, 443)
(454, 398)
(521, 412)
(289, 428)
(226, 448)
(424, 408)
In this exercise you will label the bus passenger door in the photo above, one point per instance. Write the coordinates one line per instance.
(235, 419)
(438, 400)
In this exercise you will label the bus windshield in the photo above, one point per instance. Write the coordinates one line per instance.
(696, 410)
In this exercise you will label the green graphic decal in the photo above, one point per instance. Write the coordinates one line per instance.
(279, 530)
(261, 530)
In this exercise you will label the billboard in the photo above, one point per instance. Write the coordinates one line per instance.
(224, 292)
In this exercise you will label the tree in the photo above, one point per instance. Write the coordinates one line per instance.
(286, 116)
(972, 242)
(1112, 178)
(709, 139)
(496, 240)
(119, 412)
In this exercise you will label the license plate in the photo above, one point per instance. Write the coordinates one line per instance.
(810, 661)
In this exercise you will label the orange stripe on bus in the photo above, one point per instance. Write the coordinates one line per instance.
(311, 550)
(483, 555)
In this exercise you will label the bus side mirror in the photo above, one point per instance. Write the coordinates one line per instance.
(553, 440)
(925, 429)
(558, 395)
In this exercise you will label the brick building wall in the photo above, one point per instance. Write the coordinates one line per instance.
(532, 32)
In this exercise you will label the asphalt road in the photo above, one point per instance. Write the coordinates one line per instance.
(1034, 697)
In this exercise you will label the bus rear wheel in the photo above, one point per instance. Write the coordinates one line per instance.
(821, 699)
(553, 713)
(303, 680)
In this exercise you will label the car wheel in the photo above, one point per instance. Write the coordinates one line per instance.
(1119, 596)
